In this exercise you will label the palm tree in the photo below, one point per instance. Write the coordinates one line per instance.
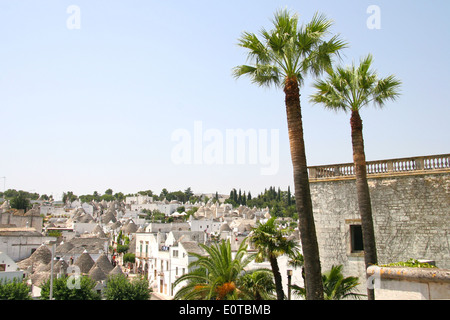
(284, 57)
(215, 275)
(257, 285)
(270, 243)
(336, 287)
(350, 89)
(296, 260)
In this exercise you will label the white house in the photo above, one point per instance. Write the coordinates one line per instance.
(167, 227)
(139, 199)
(9, 269)
(178, 265)
(164, 256)
(166, 208)
(20, 243)
(205, 225)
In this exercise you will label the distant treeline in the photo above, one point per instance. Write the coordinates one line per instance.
(280, 203)
(12, 193)
(109, 195)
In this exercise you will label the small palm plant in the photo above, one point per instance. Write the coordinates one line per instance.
(257, 285)
(215, 275)
(335, 286)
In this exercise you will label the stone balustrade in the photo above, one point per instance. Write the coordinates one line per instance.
(421, 164)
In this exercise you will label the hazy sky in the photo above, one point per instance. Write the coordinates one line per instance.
(93, 95)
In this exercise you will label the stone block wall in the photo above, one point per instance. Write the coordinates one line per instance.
(411, 218)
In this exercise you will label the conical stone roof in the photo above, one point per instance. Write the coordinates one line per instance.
(84, 262)
(104, 263)
(64, 247)
(116, 271)
(96, 273)
(42, 255)
(109, 216)
(60, 266)
(130, 227)
(116, 225)
(225, 227)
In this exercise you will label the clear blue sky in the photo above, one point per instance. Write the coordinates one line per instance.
(93, 108)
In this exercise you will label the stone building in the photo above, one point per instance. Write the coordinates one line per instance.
(411, 207)
(20, 243)
(30, 219)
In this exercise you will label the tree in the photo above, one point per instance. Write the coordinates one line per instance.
(270, 243)
(14, 290)
(107, 197)
(20, 202)
(119, 196)
(350, 89)
(289, 200)
(163, 193)
(129, 257)
(284, 58)
(235, 197)
(44, 197)
(61, 291)
(69, 196)
(257, 285)
(215, 275)
(109, 192)
(120, 288)
(188, 193)
(96, 196)
(336, 287)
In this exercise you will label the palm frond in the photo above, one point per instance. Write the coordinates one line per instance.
(353, 87)
(386, 89)
(289, 51)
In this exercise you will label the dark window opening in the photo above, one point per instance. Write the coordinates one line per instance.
(356, 238)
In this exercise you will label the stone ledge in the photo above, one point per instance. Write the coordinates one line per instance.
(381, 175)
(411, 274)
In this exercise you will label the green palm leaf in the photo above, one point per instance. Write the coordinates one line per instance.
(354, 87)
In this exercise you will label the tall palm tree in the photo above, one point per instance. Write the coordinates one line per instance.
(215, 275)
(270, 243)
(283, 58)
(351, 89)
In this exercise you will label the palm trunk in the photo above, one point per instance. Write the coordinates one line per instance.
(310, 247)
(363, 195)
(277, 277)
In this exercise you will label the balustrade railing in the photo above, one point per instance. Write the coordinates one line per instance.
(401, 165)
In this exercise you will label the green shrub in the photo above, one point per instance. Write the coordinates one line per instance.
(411, 263)
(120, 288)
(14, 290)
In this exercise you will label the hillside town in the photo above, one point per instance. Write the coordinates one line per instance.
(94, 239)
(318, 99)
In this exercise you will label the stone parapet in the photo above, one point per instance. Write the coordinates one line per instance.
(399, 166)
(401, 283)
